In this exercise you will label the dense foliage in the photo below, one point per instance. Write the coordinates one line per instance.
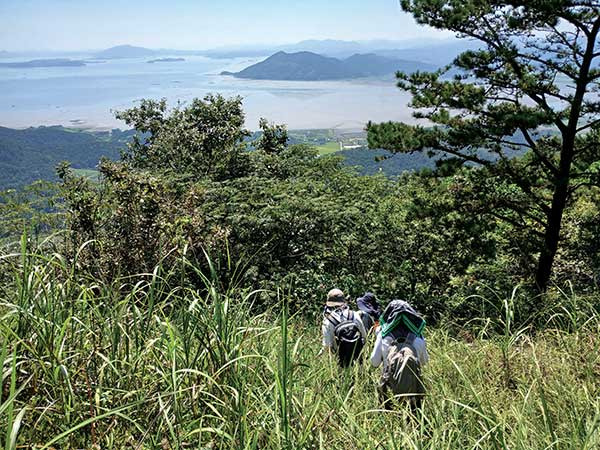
(33, 154)
(191, 185)
(369, 162)
(37, 208)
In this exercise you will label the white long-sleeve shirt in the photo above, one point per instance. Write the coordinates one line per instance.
(341, 315)
(382, 348)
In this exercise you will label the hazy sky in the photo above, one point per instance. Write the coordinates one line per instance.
(197, 24)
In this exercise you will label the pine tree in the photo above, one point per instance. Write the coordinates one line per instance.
(523, 107)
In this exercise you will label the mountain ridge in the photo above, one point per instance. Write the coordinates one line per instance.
(309, 66)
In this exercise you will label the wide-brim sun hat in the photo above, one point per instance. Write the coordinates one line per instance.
(368, 303)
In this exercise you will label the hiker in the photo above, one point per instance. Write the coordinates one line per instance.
(369, 311)
(343, 331)
(401, 348)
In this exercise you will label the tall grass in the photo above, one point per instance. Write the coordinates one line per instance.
(148, 362)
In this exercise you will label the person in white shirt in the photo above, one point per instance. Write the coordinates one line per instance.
(382, 348)
(351, 335)
(402, 325)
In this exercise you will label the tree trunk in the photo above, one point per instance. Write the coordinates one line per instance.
(552, 237)
(561, 190)
(559, 202)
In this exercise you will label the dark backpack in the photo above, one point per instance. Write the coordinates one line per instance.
(348, 339)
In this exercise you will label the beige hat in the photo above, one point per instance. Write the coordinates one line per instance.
(335, 297)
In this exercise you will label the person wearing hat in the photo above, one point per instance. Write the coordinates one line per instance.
(342, 328)
(399, 321)
(369, 311)
(402, 351)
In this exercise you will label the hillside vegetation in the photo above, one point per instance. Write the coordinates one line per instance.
(189, 181)
(33, 154)
(178, 306)
(175, 300)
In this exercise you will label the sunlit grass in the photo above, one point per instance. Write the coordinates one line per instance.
(144, 362)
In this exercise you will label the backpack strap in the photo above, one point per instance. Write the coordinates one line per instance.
(409, 341)
(335, 322)
(344, 321)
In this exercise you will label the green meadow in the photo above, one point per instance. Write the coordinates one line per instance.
(328, 148)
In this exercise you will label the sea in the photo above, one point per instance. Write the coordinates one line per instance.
(88, 96)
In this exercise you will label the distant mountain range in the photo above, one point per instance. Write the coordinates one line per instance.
(432, 51)
(327, 47)
(438, 55)
(344, 49)
(308, 66)
(436, 52)
(58, 62)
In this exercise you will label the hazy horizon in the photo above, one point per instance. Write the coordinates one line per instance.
(405, 43)
(84, 25)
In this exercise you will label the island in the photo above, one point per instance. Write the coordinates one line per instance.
(165, 60)
(59, 62)
(308, 66)
(125, 51)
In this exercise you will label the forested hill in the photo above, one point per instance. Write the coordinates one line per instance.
(371, 162)
(33, 153)
(307, 66)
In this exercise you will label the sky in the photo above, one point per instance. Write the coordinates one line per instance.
(198, 24)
